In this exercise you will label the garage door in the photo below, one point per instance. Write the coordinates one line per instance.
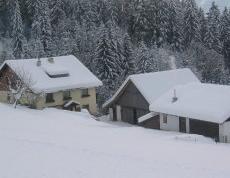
(204, 128)
(127, 115)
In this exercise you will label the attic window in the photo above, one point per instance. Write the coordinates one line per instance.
(58, 76)
(55, 71)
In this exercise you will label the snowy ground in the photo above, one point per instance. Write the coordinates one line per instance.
(61, 144)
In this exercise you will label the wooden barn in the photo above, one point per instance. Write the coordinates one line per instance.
(197, 109)
(133, 98)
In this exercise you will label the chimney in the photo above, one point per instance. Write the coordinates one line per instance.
(174, 99)
(39, 62)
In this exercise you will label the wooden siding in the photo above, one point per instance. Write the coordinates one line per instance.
(114, 113)
(5, 74)
(152, 123)
(133, 104)
(208, 129)
(131, 97)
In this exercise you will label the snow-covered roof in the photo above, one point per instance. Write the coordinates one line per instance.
(153, 85)
(146, 117)
(63, 73)
(67, 104)
(206, 102)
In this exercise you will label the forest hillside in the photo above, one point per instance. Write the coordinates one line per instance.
(117, 38)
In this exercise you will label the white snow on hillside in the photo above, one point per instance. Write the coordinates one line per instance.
(61, 144)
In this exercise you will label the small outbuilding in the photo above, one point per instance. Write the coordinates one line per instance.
(133, 98)
(72, 106)
(196, 108)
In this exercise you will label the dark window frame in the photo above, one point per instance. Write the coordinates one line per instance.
(50, 98)
(67, 95)
(85, 92)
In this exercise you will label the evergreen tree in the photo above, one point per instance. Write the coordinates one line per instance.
(57, 13)
(190, 30)
(129, 63)
(41, 26)
(17, 31)
(213, 35)
(225, 35)
(143, 58)
(157, 18)
(174, 24)
(106, 57)
(203, 28)
(60, 31)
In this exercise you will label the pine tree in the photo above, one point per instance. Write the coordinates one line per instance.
(41, 26)
(203, 27)
(60, 32)
(57, 13)
(190, 26)
(225, 36)
(213, 35)
(143, 58)
(129, 63)
(157, 18)
(17, 31)
(174, 31)
(106, 57)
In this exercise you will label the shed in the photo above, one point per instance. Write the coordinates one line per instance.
(72, 106)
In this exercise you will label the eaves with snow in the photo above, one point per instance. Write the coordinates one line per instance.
(55, 74)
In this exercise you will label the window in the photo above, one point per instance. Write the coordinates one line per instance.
(49, 98)
(66, 95)
(84, 92)
(165, 118)
(85, 106)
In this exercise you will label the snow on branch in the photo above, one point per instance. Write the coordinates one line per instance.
(20, 85)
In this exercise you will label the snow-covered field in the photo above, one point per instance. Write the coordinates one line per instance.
(61, 144)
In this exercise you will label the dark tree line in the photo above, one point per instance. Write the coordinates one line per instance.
(116, 38)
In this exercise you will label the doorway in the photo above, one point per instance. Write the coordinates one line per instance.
(182, 124)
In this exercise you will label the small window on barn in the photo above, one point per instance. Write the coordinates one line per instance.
(49, 98)
(165, 120)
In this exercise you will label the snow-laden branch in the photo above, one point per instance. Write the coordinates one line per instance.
(20, 85)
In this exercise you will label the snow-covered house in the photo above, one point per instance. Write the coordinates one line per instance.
(196, 108)
(133, 98)
(59, 79)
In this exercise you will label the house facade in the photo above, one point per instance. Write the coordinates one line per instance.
(198, 109)
(57, 80)
(58, 99)
(133, 98)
